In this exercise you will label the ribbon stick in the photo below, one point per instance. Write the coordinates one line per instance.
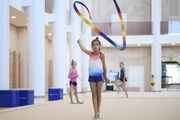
(97, 30)
(83, 32)
(84, 89)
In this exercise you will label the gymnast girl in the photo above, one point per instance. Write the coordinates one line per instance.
(121, 79)
(97, 72)
(73, 82)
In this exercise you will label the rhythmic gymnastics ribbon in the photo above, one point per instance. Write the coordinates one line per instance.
(120, 94)
(100, 32)
(84, 89)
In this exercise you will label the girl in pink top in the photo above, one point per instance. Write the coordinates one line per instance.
(73, 82)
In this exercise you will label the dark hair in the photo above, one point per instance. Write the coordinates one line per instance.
(152, 75)
(72, 62)
(121, 63)
(97, 39)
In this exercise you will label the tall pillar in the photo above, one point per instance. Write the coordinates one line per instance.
(59, 45)
(75, 52)
(36, 35)
(4, 45)
(156, 46)
(86, 38)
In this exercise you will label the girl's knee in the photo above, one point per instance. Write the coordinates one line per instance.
(75, 92)
(94, 94)
(99, 94)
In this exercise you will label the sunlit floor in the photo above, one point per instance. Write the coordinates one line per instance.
(139, 106)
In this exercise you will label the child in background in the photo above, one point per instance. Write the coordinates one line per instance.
(73, 82)
(152, 83)
(121, 79)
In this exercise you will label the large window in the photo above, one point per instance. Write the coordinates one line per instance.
(174, 27)
(172, 72)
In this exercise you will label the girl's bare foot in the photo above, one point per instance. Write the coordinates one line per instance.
(80, 102)
(126, 95)
(96, 116)
(73, 103)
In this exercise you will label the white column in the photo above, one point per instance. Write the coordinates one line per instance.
(36, 35)
(87, 44)
(4, 45)
(59, 45)
(156, 46)
(75, 52)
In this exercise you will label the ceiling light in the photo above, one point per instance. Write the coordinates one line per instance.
(13, 17)
(139, 44)
(107, 45)
(26, 23)
(173, 44)
(49, 34)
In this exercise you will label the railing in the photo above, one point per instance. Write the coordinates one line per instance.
(137, 28)
(131, 28)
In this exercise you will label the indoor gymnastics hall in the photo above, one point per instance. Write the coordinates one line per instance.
(90, 59)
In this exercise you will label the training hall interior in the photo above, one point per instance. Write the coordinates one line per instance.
(39, 41)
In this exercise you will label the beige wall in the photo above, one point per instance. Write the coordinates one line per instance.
(170, 51)
(19, 43)
(48, 56)
(13, 37)
(132, 56)
(22, 47)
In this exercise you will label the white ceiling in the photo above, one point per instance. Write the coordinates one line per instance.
(21, 21)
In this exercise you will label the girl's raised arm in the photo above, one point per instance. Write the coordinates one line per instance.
(82, 48)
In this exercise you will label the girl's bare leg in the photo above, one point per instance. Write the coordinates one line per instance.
(99, 90)
(94, 98)
(75, 92)
(125, 91)
(71, 87)
(116, 83)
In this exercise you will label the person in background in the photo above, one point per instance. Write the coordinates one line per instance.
(122, 79)
(152, 83)
(73, 82)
